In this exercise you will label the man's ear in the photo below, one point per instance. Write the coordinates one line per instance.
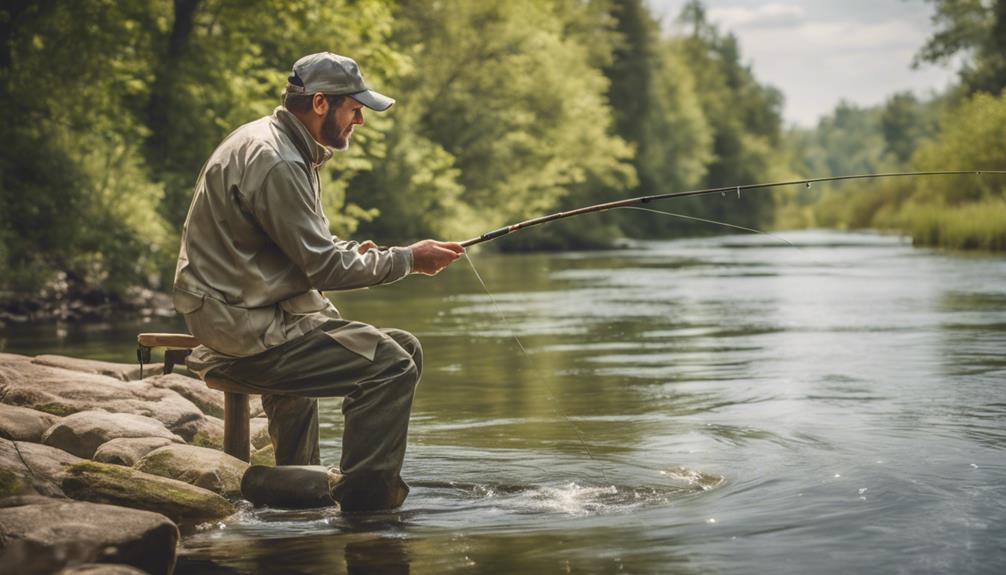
(319, 104)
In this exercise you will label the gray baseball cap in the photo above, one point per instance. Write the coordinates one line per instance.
(330, 73)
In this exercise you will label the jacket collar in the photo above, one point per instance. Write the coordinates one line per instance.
(312, 151)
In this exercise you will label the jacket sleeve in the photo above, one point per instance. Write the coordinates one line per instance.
(288, 211)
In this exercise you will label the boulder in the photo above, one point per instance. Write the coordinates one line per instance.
(44, 536)
(120, 371)
(128, 450)
(82, 433)
(210, 401)
(46, 462)
(258, 431)
(17, 478)
(199, 466)
(61, 392)
(24, 424)
(207, 431)
(185, 504)
(264, 456)
(289, 486)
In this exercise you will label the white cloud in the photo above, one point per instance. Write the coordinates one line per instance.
(819, 52)
(774, 15)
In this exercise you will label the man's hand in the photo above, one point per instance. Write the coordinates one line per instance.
(366, 246)
(431, 256)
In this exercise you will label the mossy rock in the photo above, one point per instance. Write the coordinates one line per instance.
(19, 477)
(60, 409)
(10, 484)
(199, 466)
(207, 431)
(185, 504)
(265, 456)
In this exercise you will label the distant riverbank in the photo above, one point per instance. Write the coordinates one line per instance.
(61, 303)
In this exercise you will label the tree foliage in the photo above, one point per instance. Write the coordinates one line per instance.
(973, 31)
(505, 110)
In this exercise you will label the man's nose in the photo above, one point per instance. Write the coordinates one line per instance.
(358, 118)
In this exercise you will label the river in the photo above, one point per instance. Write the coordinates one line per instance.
(716, 405)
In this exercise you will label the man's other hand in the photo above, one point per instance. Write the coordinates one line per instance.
(366, 246)
(431, 256)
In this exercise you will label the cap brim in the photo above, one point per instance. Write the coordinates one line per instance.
(373, 100)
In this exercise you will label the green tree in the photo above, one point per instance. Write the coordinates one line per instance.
(745, 118)
(656, 109)
(504, 116)
(74, 194)
(976, 31)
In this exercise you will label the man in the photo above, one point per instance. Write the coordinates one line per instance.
(257, 251)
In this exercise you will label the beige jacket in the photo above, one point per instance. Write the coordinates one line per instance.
(257, 251)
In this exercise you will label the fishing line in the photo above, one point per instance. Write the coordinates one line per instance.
(683, 216)
(509, 326)
(548, 389)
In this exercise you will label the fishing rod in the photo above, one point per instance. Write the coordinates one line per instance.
(722, 190)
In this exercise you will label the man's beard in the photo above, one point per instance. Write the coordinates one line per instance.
(332, 134)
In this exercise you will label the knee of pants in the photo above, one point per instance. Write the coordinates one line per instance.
(410, 344)
(396, 365)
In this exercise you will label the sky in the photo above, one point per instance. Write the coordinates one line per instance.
(819, 52)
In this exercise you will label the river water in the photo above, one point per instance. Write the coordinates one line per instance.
(719, 405)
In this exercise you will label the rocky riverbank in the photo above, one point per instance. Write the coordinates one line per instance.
(59, 300)
(100, 467)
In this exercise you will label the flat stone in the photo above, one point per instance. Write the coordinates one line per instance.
(23, 423)
(42, 537)
(184, 504)
(210, 401)
(62, 392)
(120, 371)
(199, 466)
(128, 450)
(82, 433)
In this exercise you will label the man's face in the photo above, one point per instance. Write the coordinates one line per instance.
(337, 127)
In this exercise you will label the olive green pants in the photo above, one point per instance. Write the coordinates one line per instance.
(377, 402)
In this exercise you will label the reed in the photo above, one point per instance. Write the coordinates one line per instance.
(973, 226)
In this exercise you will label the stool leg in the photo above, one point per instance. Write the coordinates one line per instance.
(236, 425)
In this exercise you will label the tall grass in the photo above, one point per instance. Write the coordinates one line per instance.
(973, 226)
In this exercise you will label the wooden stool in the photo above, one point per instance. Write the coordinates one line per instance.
(176, 347)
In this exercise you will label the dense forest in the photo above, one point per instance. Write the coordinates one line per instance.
(505, 110)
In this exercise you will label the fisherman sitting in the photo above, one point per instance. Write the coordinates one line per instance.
(256, 252)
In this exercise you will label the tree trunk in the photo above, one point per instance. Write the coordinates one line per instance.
(158, 108)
